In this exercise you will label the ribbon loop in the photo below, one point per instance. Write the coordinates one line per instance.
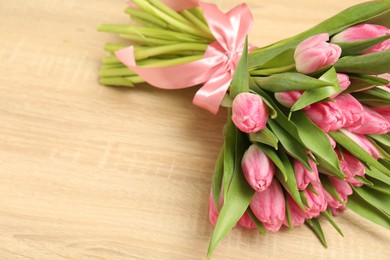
(215, 70)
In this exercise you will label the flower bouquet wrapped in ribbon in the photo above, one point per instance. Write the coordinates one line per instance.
(308, 117)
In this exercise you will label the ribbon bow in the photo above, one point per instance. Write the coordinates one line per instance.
(215, 69)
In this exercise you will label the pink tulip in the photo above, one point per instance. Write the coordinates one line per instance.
(315, 53)
(296, 213)
(351, 109)
(288, 98)
(363, 142)
(258, 168)
(326, 115)
(332, 142)
(352, 167)
(317, 202)
(246, 222)
(373, 123)
(383, 111)
(344, 83)
(213, 213)
(344, 190)
(269, 206)
(364, 32)
(303, 176)
(250, 114)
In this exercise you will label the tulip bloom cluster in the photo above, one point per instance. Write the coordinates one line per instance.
(307, 134)
(343, 109)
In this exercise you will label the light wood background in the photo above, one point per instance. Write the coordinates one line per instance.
(92, 172)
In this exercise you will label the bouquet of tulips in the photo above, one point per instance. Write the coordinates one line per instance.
(308, 117)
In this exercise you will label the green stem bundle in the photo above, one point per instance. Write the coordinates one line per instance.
(160, 36)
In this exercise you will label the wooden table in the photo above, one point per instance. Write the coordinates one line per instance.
(92, 172)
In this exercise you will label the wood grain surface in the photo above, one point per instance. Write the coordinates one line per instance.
(92, 172)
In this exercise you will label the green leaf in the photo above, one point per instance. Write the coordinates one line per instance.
(258, 223)
(383, 153)
(371, 100)
(236, 203)
(281, 119)
(373, 63)
(383, 19)
(315, 226)
(358, 47)
(217, 178)
(227, 101)
(383, 139)
(284, 59)
(330, 188)
(363, 180)
(378, 175)
(358, 151)
(317, 142)
(328, 215)
(289, 81)
(357, 204)
(376, 198)
(353, 15)
(295, 148)
(265, 136)
(378, 185)
(290, 184)
(267, 100)
(288, 213)
(378, 92)
(359, 82)
(312, 96)
(302, 194)
(234, 149)
(240, 82)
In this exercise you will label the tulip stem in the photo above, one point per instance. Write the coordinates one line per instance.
(121, 81)
(115, 72)
(146, 52)
(198, 22)
(266, 72)
(143, 17)
(172, 18)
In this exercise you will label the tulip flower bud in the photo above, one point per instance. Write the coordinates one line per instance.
(332, 142)
(288, 98)
(363, 142)
(258, 168)
(373, 123)
(352, 167)
(317, 202)
(246, 222)
(250, 114)
(315, 53)
(344, 190)
(383, 111)
(344, 83)
(351, 109)
(364, 32)
(303, 176)
(213, 213)
(269, 206)
(296, 213)
(326, 115)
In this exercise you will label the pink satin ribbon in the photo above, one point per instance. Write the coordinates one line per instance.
(215, 69)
